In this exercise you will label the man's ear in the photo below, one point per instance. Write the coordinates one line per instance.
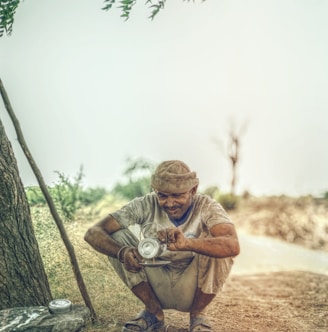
(194, 190)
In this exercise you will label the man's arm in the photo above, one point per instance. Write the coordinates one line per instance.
(223, 243)
(98, 236)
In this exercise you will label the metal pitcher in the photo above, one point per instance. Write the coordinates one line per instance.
(150, 248)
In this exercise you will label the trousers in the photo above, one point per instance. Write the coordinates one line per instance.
(175, 285)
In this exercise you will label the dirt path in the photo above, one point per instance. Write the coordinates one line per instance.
(278, 301)
(269, 290)
(265, 254)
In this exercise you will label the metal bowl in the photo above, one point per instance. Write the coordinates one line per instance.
(60, 306)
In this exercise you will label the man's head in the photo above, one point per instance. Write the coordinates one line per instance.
(175, 185)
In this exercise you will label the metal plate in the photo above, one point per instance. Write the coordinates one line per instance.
(155, 263)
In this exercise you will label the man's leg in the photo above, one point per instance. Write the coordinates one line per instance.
(147, 296)
(138, 284)
(200, 303)
(212, 274)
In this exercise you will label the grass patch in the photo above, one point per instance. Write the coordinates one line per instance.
(112, 300)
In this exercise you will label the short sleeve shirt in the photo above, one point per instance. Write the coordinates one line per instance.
(147, 213)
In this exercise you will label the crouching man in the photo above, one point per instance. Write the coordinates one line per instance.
(200, 242)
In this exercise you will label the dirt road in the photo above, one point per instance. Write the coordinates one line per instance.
(274, 287)
(265, 254)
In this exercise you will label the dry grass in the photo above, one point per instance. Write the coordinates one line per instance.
(302, 221)
(110, 298)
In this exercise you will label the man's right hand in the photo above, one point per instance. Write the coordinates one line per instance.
(131, 259)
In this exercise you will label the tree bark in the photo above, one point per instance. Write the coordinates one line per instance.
(23, 281)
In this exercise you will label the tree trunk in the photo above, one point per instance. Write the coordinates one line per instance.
(23, 281)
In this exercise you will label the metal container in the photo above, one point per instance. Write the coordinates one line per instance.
(60, 306)
(151, 248)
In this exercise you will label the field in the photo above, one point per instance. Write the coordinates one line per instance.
(280, 301)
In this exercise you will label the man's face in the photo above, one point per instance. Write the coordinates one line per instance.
(175, 205)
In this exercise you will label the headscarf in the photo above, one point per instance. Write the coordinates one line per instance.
(173, 176)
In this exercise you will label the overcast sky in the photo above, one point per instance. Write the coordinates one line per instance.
(92, 89)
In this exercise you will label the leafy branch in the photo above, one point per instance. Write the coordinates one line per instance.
(127, 5)
(7, 12)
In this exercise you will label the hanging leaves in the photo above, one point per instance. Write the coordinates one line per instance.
(127, 5)
(7, 12)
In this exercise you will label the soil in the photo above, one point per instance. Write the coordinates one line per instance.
(278, 301)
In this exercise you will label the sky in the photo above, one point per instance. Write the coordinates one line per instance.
(92, 89)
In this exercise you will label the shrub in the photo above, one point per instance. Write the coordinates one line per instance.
(228, 201)
(137, 179)
(68, 195)
(34, 195)
(92, 195)
(212, 191)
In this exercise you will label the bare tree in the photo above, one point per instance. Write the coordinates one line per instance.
(232, 151)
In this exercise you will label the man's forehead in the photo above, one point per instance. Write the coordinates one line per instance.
(168, 193)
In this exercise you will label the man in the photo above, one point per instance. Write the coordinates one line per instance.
(200, 238)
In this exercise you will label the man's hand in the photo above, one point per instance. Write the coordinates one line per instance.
(131, 259)
(174, 238)
(223, 241)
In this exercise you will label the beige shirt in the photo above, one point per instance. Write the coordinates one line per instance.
(146, 212)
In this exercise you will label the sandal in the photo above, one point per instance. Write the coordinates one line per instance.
(144, 322)
(200, 324)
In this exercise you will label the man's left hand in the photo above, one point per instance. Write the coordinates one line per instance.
(173, 237)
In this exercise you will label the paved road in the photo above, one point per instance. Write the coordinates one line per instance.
(263, 254)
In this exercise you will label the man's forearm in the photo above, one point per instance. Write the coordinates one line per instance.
(102, 242)
(219, 247)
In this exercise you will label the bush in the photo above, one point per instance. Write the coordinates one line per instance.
(92, 195)
(68, 195)
(213, 192)
(34, 195)
(137, 179)
(228, 201)
(136, 188)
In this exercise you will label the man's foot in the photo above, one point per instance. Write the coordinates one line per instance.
(200, 324)
(144, 322)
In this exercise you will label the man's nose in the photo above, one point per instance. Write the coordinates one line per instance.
(170, 201)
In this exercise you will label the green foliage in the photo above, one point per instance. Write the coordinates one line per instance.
(68, 195)
(228, 201)
(127, 5)
(90, 196)
(156, 7)
(137, 179)
(212, 191)
(7, 12)
(34, 195)
(133, 189)
(325, 195)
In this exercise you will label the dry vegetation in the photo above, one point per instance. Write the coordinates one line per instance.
(282, 301)
(302, 221)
